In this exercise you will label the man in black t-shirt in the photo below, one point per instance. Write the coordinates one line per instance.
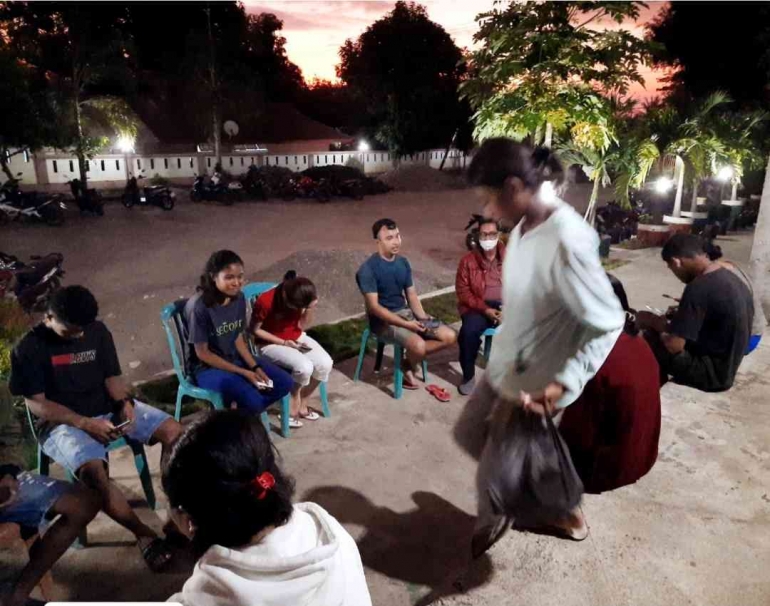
(67, 370)
(704, 342)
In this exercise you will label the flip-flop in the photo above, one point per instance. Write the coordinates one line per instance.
(311, 415)
(442, 395)
(410, 386)
(294, 423)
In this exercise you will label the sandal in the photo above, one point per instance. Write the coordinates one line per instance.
(442, 395)
(294, 422)
(311, 415)
(156, 554)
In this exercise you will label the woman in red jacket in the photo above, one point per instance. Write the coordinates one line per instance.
(613, 428)
(479, 295)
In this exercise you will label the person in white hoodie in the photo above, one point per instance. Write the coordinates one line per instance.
(228, 495)
(562, 318)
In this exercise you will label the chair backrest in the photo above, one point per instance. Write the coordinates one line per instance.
(254, 289)
(181, 354)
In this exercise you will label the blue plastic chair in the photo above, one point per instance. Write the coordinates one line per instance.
(398, 353)
(488, 335)
(140, 460)
(251, 291)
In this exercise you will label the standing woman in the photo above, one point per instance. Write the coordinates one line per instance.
(566, 318)
(216, 318)
(278, 323)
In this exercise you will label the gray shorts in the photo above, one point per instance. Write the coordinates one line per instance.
(398, 334)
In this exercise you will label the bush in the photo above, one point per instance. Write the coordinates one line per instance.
(158, 180)
(14, 323)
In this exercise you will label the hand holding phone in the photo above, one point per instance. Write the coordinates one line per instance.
(303, 348)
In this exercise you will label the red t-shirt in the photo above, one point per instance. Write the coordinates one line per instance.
(284, 326)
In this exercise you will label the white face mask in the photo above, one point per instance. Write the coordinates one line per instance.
(487, 245)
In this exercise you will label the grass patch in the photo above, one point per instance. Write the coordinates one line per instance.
(610, 264)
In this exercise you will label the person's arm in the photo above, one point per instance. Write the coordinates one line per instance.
(686, 323)
(464, 289)
(52, 412)
(265, 336)
(373, 308)
(585, 290)
(413, 300)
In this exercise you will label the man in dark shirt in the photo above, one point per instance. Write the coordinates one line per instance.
(705, 340)
(394, 309)
(67, 370)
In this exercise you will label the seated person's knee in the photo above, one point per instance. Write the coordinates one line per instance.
(416, 347)
(93, 474)
(303, 371)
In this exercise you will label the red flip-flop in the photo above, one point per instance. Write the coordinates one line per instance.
(442, 395)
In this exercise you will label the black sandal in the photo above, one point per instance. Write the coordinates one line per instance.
(156, 554)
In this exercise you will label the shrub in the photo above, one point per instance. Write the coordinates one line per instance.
(158, 180)
(14, 323)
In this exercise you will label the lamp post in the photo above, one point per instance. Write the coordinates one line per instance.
(125, 144)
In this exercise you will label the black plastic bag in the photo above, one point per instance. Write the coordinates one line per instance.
(531, 478)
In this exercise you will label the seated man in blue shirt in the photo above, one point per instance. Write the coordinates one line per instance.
(394, 309)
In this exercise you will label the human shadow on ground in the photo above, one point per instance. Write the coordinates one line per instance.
(426, 546)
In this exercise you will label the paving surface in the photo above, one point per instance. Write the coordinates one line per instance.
(694, 531)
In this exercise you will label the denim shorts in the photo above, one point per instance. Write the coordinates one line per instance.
(37, 494)
(72, 448)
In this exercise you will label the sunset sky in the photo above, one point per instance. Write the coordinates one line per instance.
(315, 30)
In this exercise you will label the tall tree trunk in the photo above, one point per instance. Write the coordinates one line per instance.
(759, 265)
(679, 177)
(214, 92)
(79, 152)
(548, 139)
(590, 215)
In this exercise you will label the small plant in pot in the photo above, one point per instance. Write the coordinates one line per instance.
(651, 231)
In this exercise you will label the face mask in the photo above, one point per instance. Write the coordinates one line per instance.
(487, 245)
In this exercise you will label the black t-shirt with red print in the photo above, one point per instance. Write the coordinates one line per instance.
(70, 372)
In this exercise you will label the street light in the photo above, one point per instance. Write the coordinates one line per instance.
(125, 144)
(725, 174)
(363, 146)
(663, 185)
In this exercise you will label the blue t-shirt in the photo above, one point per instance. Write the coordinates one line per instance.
(219, 326)
(389, 279)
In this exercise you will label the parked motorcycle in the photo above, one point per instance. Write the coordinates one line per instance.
(213, 191)
(305, 187)
(31, 283)
(88, 201)
(157, 195)
(17, 205)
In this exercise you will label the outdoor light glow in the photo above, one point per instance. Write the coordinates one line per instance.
(125, 144)
(548, 192)
(363, 146)
(725, 173)
(663, 185)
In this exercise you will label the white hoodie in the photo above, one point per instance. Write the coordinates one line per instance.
(310, 561)
(561, 317)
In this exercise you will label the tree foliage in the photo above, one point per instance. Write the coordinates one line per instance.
(406, 69)
(542, 63)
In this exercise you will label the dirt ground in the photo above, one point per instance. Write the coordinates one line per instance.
(136, 261)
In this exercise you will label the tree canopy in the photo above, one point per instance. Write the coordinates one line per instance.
(406, 68)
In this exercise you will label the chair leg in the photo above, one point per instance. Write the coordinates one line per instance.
(178, 409)
(424, 371)
(361, 354)
(487, 347)
(143, 468)
(380, 353)
(285, 412)
(43, 462)
(324, 400)
(398, 374)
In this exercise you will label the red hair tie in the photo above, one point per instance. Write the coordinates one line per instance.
(263, 483)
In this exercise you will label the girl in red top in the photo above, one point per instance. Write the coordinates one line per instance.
(279, 320)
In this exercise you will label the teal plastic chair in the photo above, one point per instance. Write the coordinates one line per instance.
(251, 291)
(398, 353)
(140, 460)
(488, 335)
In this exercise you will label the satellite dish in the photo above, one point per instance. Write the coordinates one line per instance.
(231, 128)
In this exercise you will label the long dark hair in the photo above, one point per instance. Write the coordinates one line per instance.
(501, 158)
(620, 292)
(218, 261)
(293, 293)
(211, 476)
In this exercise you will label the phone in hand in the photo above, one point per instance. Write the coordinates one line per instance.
(431, 323)
(303, 348)
(265, 385)
(120, 426)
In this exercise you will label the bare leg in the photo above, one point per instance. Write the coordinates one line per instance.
(167, 434)
(296, 400)
(76, 509)
(94, 475)
(447, 337)
(308, 390)
(416, 349)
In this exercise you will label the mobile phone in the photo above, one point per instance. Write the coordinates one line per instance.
(304, 348)
(431, 324)
(263, 385)
(655, 310)
(123, 424)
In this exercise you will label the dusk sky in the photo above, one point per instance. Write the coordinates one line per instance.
(315, 30)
